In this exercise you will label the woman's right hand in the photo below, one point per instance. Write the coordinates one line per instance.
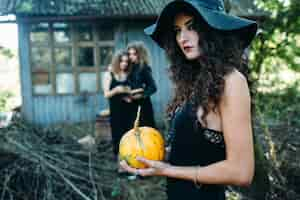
(154, 168)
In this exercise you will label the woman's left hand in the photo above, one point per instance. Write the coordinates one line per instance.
(155, 168)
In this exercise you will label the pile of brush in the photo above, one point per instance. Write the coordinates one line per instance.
(38, 163)
(50, 164)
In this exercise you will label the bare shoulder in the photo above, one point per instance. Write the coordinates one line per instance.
(107, 75)
(235, 77)
(236, 85)
(235, 81)
(106, 80)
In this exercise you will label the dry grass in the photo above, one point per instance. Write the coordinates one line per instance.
(48, 163)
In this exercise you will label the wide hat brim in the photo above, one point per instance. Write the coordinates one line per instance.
(217, 19)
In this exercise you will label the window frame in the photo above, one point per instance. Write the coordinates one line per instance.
(96, 43)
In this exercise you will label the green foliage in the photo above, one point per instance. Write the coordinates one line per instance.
(281, 105)
(6, 52)
(278, 42)
(25, 6)
(4, 97)
(278, 119)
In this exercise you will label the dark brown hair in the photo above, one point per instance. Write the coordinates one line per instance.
(142, 52)
(201, 83)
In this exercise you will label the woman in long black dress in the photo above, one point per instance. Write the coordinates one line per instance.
(211, 135)
(116, 90)
(141, 79)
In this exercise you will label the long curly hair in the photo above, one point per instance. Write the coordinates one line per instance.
(116, 60)
(142, 52)
(201, 83)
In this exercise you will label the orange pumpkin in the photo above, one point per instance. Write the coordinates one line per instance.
(144, 142)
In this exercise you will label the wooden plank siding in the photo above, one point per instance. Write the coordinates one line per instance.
(50, 109)
(66, 109)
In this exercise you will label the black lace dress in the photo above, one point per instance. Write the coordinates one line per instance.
(193, 145)
(120, 121)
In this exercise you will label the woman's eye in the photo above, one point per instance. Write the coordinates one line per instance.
(191, 27)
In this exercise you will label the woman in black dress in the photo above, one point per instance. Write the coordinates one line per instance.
(211, 135)
(116, 90)
(141, 79)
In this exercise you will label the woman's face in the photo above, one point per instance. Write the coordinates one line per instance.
(124, 63)
(133, 55)
(186, 36)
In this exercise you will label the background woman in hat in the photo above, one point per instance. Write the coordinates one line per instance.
(211, 133)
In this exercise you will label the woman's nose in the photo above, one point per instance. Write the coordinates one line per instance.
(183, 36)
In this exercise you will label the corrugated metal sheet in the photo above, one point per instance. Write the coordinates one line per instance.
(66, 109)
(86, 7)
(107, 8)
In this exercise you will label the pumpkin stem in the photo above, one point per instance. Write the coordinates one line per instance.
(137, 120)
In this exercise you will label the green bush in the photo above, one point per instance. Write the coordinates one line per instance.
(280, 105)
(4, 97)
